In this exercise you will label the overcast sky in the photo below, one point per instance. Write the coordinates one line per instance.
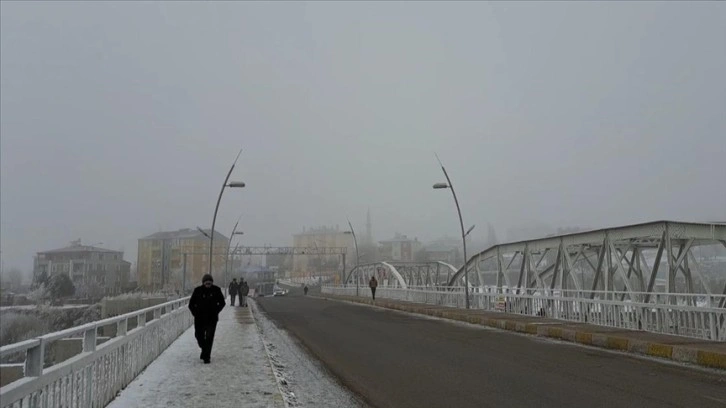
(121, 119)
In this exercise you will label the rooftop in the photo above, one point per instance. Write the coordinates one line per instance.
(183, 234)
(79, 248)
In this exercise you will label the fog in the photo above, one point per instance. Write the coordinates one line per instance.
(118, 120)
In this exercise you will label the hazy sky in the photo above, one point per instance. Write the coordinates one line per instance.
(120, 119)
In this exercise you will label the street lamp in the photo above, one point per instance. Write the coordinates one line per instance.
(227, 183)
(449, 185)
(229, 244)
(357, 257)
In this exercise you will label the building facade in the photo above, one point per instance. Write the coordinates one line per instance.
(177, 260)
(449, 254)
(447, 249)
(87, 266)
(323, 265)
(400, 248)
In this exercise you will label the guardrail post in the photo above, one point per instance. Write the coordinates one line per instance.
(34, 360)
(121, 327)
(89, 345)
(141, 320)
(157, 313)
(89, 340)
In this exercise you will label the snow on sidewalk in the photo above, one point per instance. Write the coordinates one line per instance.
(240, 374)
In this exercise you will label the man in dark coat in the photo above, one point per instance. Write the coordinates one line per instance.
(244, 290)
(233, 290)
(206, 303)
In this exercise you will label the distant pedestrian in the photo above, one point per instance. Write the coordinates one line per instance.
(373, 283)
(234, 290)
(305, 289)
(206, 303)
(244, 290)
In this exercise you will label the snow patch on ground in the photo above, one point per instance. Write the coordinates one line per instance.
(240, 374)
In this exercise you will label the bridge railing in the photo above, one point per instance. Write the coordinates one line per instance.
(93, 377)
(690, 315)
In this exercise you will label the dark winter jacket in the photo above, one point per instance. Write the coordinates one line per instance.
(234, 288)
(206, 303)
(244, 289)
(373, 283)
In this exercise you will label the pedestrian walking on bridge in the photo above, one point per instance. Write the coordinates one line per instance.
(206, 303)
(373, 283)
(234, 290)
(244, 290)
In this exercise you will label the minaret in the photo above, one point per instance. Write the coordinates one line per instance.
(369, 228)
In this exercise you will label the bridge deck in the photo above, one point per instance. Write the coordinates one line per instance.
(239, 374)
(677, 348)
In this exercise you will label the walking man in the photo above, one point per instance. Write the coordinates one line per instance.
(234, 290)
(206, 303)
(244, 290)
(373, 285)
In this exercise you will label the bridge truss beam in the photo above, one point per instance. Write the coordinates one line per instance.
(402, 274)
(625, 260)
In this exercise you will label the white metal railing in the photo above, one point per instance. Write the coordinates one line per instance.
(690, 315)
(308, 280)
(94, 377)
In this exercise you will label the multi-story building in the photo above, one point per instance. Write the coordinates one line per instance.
(322, 237)
(447, 249)
(399, 248)
(178, 259)
(443, 253)
(86, 266)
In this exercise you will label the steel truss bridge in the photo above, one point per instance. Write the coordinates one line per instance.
(403, 274)
(651, 277)
(625, 259)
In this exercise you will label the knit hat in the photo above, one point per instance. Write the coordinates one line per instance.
(207, 277)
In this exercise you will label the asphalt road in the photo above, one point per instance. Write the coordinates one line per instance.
(393, 359)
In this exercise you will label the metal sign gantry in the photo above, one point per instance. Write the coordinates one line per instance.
(270, 250)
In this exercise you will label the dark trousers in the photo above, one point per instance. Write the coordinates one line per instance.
(204, 332)
(234, 296)
(373, 292)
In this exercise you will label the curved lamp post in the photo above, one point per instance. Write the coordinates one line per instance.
(227, 183)
(357, 257)
(229, 244)
(449, 185)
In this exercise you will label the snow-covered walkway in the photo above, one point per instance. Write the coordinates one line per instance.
(240, 374)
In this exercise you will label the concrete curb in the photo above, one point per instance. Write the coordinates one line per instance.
(620, 340)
